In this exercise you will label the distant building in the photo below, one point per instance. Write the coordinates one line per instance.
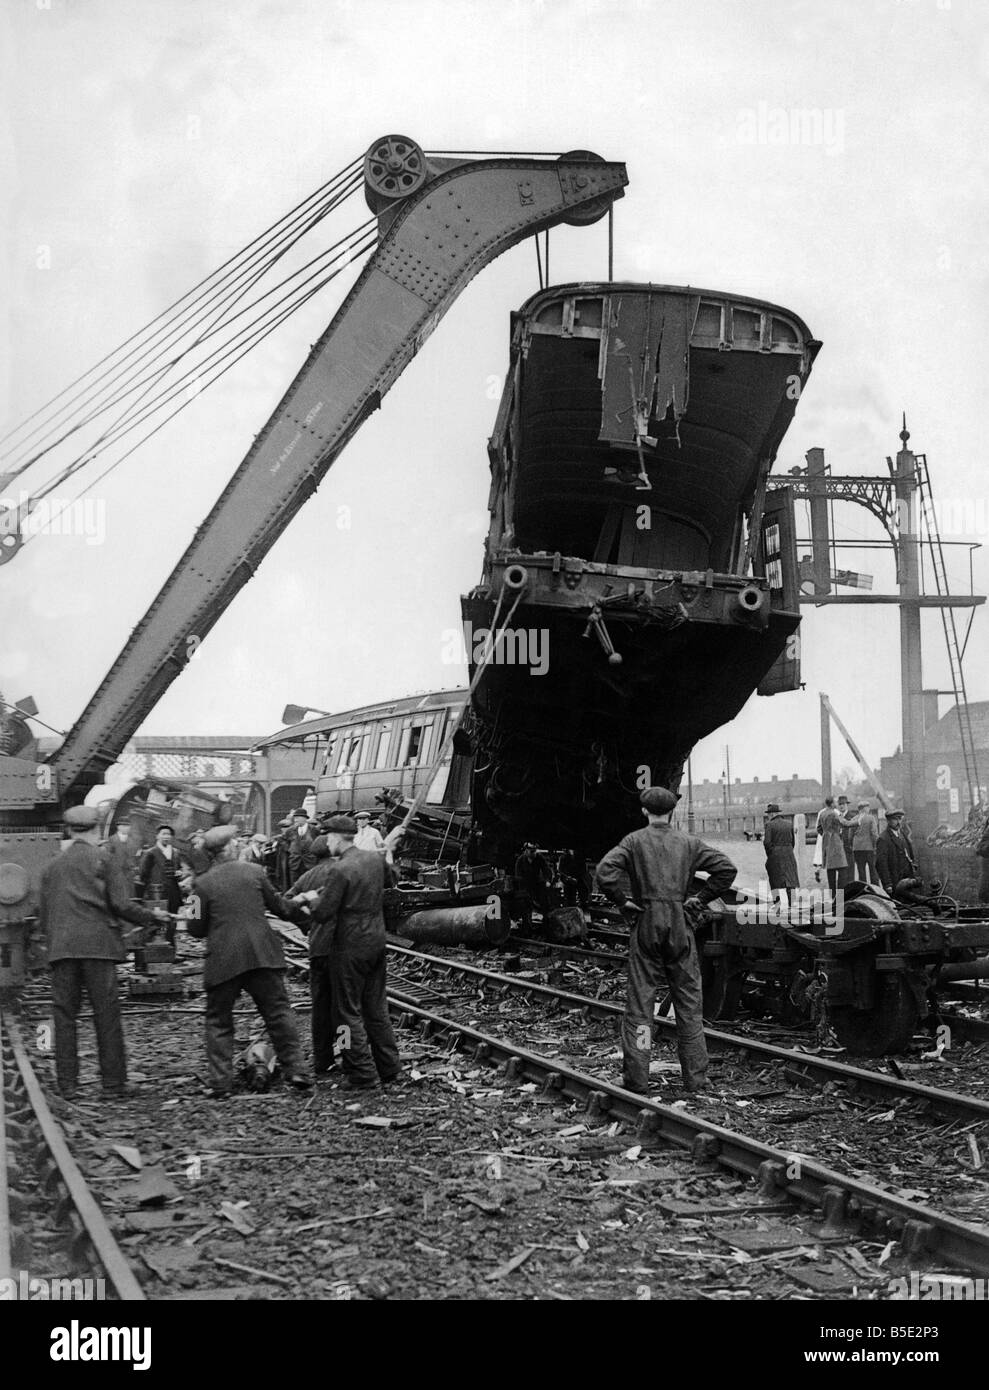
(945, 779)
(710, 796)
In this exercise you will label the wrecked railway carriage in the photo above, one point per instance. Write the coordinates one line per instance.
(645, 582)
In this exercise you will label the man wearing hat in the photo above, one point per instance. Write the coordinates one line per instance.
(303, 893)
(658, 864)
(781, 862)
(864, 844)
(159, 871)
(534, 876)
(894, 853)
(195, 857)
(242, 953)
(83, 903)
(300, 842)
(282, 879)
(349, 926)
(849, 820)
(368, 837)
(120, 853)
(253, 851)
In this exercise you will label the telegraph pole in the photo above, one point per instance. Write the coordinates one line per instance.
(826, 787)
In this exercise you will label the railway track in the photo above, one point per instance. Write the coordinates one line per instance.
(757, 1179)
(51, 1227)
(859, 1080)
(839, 1203)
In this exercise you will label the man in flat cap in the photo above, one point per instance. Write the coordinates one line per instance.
(120, 852)
(658, 864)
(303, 893)
(243, 953)
(349, 926)
(368, 836)
(254, 851)
(196, 857)
(534, 878)
(83, 905)
(894, 853)
(282, 878)
(864, 843)
(300, 842)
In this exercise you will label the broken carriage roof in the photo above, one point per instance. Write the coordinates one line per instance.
(594, 289)
(408, 704)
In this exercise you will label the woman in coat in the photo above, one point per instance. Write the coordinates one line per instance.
(781, 862)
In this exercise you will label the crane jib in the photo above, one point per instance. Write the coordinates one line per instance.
(458, 217)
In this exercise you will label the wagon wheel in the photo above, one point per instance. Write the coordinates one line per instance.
(887, 1027)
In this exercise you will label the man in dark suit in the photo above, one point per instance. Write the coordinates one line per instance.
(243, 953)
(255, 851)
(195, 857)
(894, 853)
(349, 927)
(158, 876)
(303, 893)
(982, 850)
(121, 855)
(300, 842)
(534, 876)
(82, 907)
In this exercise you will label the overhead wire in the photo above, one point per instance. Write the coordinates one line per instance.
(335, 252)
(262, 237)
(240, 350)
(237, 346)
(240, 268)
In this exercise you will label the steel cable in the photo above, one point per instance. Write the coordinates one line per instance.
(283, 233)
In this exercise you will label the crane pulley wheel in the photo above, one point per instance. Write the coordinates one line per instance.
(592, 212)
(394, 167)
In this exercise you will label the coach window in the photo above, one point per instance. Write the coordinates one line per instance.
(343, 740)
(383, 745)
(415, 740)
(353, 744)
(328, 754)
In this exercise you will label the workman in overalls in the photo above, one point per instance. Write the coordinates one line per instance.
(649, 874)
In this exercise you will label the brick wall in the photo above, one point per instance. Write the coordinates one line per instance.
(956, 866)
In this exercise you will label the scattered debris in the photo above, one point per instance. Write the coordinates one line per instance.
(512, 1264)
(132, 1157)
(152, 1189)
(234, 1213)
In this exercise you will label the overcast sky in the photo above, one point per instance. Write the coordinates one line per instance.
(145, 141)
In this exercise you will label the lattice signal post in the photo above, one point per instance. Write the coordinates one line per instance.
(901, 502)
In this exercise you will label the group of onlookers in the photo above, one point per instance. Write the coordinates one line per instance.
(850, 846)
(218, 886)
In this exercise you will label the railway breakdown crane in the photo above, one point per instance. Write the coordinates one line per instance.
(440, 220)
